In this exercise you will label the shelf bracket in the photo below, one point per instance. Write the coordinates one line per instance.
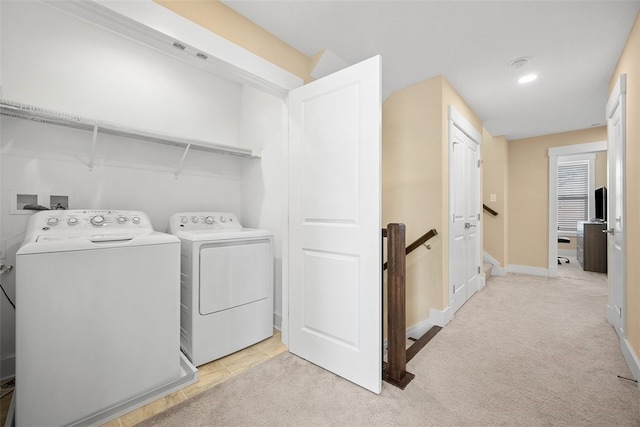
(93, 147)
(184, 156)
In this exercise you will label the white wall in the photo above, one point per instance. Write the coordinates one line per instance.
(62, 63)
(59, 62)
(263, 122)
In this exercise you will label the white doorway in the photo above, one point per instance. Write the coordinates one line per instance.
(464, 210)
(555, 154)
(616, 131)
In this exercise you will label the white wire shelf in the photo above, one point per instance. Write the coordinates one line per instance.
(42, 115)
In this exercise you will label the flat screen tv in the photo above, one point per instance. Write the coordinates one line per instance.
(601, 203)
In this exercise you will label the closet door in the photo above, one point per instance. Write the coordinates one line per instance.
(335, 287)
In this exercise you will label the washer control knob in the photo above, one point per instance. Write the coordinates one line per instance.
(223, 219)
(72, 221)
(184, 220)
(52, 221)
(122, 220)
(194, 219)
(209, 220)
(97, 220)
(135, 220)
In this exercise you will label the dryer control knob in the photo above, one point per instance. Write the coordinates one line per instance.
(209, 220)
(135, 220)
(97, 220)
(223, 219)
(184, 220)
(122, 220)
(52, 221)
(72, 221)
(194, 219)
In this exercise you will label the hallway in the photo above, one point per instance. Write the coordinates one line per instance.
(526, 351)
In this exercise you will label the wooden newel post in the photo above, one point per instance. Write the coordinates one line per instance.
(396, 373)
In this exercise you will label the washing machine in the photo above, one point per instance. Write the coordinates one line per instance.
(226, 284)
(97, 317)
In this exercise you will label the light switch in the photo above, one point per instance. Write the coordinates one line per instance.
(492, 197)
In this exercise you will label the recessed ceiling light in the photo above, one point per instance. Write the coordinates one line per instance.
(528, 78)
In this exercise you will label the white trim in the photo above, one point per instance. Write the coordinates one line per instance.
(554, 154)
(631, 358)
(277, 321)
(531, 271)
(496, 270)
(569, 150)
(619, 89)
(464, 125)
(440, 318)
(419, 329)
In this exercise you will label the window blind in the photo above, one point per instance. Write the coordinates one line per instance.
(573, 194)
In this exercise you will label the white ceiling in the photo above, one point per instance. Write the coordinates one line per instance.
(573, 45)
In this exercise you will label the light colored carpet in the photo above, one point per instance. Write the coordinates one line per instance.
(524, 351)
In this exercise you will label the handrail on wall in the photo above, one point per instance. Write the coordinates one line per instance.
(488, 209)
(394, 371)
(416, 244)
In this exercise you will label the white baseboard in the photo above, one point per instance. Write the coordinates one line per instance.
(441, 318)
(482, 282)
(419, 329)
(8, 368)
(531, 271)
(631, 358)
(277, 321)
(496, 270)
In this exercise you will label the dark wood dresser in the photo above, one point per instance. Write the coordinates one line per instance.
(592, 246)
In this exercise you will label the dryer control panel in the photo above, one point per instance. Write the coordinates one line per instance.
(88, 221)
(203, 221)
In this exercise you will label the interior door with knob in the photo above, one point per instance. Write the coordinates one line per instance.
(464, 241)
(616, 131)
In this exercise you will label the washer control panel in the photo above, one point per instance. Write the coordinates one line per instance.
(204, 221)
(82, 221)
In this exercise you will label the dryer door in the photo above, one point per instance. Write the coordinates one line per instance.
(234, 273)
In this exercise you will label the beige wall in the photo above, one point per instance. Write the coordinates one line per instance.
(412, 186)
(528, 194)
(227, 23)
(495, 180)
(415, 184)
(629, 64)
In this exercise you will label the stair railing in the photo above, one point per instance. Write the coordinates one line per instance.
(395, 369)
(488, 209)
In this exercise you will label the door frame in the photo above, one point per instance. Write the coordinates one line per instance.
(554, 154)
(457, 120)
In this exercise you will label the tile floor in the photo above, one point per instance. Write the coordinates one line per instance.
(210, 375)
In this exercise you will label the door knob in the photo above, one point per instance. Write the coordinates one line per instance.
(468, 225)
(609, 231)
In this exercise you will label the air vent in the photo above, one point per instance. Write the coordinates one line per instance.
(519, 63)
(178, 45)
(201, 55)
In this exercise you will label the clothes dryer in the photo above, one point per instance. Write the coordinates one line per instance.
(97, 317)
(226, 284)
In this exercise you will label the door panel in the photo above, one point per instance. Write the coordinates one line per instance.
(615, 217)
(464, 188)
(334, 224)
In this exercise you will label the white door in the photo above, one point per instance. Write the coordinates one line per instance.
(335, 266)
(464, 251)
(616, 116)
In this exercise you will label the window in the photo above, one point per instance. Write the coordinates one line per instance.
(575, 189)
